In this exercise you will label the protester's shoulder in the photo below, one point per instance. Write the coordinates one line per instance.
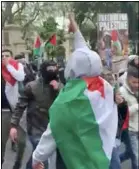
(29, 86)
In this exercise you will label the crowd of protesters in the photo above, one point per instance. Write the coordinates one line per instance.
(28, 94)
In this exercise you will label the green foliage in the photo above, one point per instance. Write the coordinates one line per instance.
(60, 36)
(47, 30)
(60, 50)
(30, 15)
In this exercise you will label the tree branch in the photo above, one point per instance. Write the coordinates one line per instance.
(21, 8)
(5, 17)
(30, 22)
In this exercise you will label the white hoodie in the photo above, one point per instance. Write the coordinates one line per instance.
(90, 65)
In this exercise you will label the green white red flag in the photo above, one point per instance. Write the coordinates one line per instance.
(83, 120)
(37, 46)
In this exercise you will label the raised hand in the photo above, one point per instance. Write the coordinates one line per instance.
(118, 98)
(73, 27)
(55, 84)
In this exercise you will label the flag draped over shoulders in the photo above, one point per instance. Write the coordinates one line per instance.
(7, 75)
(83, 120)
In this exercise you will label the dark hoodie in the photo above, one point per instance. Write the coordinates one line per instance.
(37, 97)
(4, 102)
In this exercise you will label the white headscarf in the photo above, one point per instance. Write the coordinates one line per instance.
(83, 61)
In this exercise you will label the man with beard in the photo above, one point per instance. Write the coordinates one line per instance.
(37, 97)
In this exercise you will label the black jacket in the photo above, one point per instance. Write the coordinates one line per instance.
(122, 115)
(29, 74)
(37, 98)
(4, 102)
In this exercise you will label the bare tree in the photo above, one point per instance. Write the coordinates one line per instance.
(7, 14)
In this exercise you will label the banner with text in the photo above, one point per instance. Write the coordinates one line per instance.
(112, 35)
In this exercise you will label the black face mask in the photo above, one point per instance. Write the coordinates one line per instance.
(49, 76)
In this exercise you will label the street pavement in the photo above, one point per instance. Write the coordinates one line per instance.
(10, 156)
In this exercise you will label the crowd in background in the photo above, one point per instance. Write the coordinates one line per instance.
(26, 89)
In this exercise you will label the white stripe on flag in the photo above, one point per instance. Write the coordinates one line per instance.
(106, 116)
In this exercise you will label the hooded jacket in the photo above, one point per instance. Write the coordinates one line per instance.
(37, 98)
(91, 66)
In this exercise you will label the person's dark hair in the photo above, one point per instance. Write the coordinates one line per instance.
(22, 53)
(132, 63)
(133, 71)
(7, 50)
(19, 56)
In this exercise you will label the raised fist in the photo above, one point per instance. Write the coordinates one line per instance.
(55, 84)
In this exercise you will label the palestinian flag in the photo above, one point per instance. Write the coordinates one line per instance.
(52, 41)
(7, 75)
(37, 46)
(83, 120)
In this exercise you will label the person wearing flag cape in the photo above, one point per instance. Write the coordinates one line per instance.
(83, 118)
(12, 74)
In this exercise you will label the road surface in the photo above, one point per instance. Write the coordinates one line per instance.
(10, 156)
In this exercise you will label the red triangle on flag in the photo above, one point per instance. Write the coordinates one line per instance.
(37, 43)
(95, 84)
(53, 40)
